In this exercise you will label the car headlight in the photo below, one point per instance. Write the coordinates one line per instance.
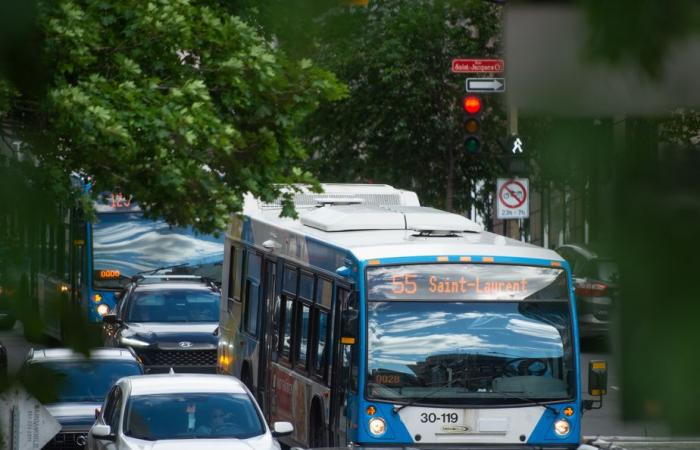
(562, 427)
(377, 426)
(132, 342)
(102, 309)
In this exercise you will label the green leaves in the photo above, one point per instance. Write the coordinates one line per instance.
(402, 120)
(178, 103)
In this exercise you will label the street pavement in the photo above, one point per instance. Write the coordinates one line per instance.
(596, 423)
(606, 421)
(17, 347)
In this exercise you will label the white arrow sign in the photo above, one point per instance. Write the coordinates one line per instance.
(25, 423)
(486, 84)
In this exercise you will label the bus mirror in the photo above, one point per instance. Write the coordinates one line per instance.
(348, 326)
(110, 319)
(598, 378)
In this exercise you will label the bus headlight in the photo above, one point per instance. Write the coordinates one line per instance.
(102, 309)
(377, 426)
(562, 427)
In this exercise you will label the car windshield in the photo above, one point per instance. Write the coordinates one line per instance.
(81, 381)
(127, 243)
(192, 416)
(435, 349)
(173, 305)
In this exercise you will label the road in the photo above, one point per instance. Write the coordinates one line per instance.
(17, 347)
(606, 421)
(602, 422)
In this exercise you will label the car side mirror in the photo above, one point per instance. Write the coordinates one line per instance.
(102, 432)
(110, 319)
(349, 326)
(280, 429)
(597, 383)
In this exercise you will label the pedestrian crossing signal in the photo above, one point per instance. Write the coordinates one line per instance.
(472, 123)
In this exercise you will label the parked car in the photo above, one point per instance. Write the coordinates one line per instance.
(183, 411)
(80, 385)
(169, 321)
(596, 285)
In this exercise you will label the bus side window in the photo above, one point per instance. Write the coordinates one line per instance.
(251, 309)
(322, 305)
(286, 331)
(290, 281)
(232, 274)
(252, 306)
(321, 354)
(302, 325)
(302, 320)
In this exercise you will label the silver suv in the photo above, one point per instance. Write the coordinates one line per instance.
(76, 386)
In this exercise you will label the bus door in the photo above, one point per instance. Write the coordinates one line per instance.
(339, 420)
(267, 338)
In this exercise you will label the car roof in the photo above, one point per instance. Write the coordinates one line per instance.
(67, 354)
(169, 281)
(183, 383)
(583, 251)
(174, 287)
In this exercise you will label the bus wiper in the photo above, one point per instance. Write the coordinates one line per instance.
(530, 400)
(396, 409)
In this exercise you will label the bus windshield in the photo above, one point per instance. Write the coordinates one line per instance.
(127, 243)
(469, 334)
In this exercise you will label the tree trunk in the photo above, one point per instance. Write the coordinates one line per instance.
(449, 191)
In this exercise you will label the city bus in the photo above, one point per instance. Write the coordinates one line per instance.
(372, 321)
(81, 265)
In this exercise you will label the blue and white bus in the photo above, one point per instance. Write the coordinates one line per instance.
(81, 263)
(372, 321)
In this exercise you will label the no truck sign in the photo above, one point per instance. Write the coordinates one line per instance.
(512, 198)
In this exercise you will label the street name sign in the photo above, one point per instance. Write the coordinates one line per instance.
(486, 84)
(512, 199)
(478, 65)
(24, 422)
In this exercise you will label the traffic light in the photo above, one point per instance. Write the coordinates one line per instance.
(472, 123)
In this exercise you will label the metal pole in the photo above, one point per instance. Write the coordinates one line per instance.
(14, 429)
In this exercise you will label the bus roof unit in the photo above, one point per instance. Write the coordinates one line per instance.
(337, 194)
(417, 218)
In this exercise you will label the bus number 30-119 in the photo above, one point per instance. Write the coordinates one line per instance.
(444, 417)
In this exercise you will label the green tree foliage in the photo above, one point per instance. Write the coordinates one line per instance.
(177, 102)
(639, 32)
(402, 123)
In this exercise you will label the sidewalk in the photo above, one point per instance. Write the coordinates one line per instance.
(646, 443)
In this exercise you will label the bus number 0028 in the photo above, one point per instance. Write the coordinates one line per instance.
(443, 418)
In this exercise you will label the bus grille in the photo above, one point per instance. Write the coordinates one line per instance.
(179, 358)
(66, 441)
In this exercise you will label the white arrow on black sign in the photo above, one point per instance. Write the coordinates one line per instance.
(486, 84)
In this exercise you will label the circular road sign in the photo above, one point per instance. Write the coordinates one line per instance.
(512, 194)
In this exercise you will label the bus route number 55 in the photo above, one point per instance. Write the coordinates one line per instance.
(403, 284)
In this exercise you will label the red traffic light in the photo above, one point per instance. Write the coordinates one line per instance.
(472, 104)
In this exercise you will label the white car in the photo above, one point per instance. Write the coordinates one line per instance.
(182, 411)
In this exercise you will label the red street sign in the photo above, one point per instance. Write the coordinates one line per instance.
(512, 194)
(478, 65)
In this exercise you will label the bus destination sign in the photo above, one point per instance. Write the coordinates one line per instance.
(464, 282)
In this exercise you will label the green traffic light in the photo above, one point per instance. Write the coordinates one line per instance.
(472, 144)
